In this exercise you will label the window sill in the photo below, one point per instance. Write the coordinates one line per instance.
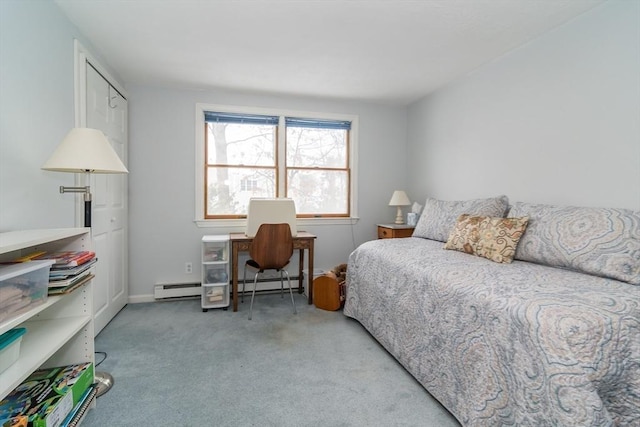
(302, 222)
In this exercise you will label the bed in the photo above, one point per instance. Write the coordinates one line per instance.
(521, 343)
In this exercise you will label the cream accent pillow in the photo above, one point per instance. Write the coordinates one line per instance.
(493, 238)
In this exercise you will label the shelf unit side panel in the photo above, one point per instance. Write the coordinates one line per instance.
(59, 331)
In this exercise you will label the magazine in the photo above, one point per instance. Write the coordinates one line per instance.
(67, 259)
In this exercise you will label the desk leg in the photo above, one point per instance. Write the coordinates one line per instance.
(300, 274)
(310, 285)
(234, 275)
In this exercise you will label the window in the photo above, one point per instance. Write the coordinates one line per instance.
(265, 153)
(317, 166)
(240, 153)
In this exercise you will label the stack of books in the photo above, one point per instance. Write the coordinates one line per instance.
(51, 397)
(70, 270)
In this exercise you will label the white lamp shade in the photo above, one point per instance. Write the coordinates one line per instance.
(85, 150)
(399, 198)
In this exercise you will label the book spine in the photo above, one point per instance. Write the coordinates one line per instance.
(67, 259)
(75, 260)
(30, 256)
(70, 288)
(78, 413)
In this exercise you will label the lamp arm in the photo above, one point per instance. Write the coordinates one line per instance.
(86, 190)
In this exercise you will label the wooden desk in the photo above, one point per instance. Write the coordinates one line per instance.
(241, 243)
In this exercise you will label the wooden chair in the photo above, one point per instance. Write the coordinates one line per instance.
(271, 249)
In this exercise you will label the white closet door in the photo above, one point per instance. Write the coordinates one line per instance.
(106, 110)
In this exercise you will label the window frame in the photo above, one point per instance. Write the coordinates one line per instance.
(200, 163)
(270, 167)
(346, 169)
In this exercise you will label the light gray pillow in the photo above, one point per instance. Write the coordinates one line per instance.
(439, 217)
(600, 241)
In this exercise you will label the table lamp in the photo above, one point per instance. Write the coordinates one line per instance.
(87, 151)
(399, 199)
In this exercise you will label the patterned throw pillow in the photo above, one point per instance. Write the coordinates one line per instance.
(492, 238)
(439, 217)
(599, 241)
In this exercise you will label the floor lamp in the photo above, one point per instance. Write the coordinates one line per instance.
(86, 151)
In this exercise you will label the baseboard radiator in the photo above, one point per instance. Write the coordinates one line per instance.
(173, 291)
(169, 291)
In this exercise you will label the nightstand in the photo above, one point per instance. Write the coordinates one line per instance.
(393, 231)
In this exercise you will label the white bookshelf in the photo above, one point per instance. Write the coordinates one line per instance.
(59, 331)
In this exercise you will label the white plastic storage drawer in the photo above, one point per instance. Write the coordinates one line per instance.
(215, 274)
(215, 296)
(214, 251)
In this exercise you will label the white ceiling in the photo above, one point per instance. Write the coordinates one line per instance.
(386, 51)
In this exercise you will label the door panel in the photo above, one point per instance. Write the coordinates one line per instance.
(107, 111)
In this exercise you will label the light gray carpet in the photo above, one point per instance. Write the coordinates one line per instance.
(177, 366)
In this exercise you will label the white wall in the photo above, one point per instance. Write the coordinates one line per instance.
(36, 112)
(555, 121)
(163, 235)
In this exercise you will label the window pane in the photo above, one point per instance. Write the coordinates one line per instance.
(229, 189)
(308, 147)
(319, 192)
(241, 144)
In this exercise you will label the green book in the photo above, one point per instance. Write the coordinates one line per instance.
(48, 395)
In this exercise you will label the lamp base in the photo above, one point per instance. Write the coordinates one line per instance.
(104, 382)
(399, 219)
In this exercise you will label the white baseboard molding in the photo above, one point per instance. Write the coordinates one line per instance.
(137, 299)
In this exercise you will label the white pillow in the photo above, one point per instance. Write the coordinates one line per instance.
(439, 217)
(600, 241)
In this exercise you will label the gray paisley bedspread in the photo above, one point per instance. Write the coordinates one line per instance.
(502, 344)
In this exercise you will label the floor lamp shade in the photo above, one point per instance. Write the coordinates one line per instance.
(85, 150)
